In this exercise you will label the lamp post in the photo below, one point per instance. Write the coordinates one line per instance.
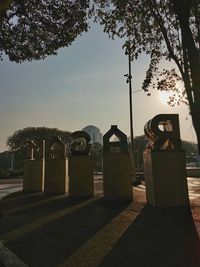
(129, 81)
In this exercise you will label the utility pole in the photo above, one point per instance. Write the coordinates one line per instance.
(129, 81)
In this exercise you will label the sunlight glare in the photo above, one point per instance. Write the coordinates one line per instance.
(164, 97)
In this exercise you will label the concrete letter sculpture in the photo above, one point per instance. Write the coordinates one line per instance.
(164, 163)
(81, 143)
(166, 139)
(116, 166)
(56, 168)
(80, 166)
(34, 167)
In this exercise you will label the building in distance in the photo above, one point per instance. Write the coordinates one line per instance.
(94, 133)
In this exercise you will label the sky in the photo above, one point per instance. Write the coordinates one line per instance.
(83, 85)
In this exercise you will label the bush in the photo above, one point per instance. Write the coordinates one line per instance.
(10, 174)
(3, 174)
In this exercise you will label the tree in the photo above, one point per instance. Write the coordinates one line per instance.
(190, 148)
(140, 143)
(97, 156)
(163, 29)
(34, 29)
(5, 160)
(17, 141)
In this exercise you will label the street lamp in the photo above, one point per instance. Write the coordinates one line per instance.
(129, 81)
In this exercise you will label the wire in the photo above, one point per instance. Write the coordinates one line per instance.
(137, 91)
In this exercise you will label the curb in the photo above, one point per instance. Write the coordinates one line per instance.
(9, 259)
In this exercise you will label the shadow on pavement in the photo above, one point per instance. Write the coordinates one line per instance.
(57, 240)
(158, 238)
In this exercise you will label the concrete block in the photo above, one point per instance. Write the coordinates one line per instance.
(165, 178)
(56, 176)
(117, 177)
(34, 175)
(81, 182)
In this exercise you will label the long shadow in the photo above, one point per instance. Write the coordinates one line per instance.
(17, 219)
(158, 238)
(57, 240)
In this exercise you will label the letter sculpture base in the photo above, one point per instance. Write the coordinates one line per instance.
(56, 176)
(81, 176)
(33, 176)
(165, 178)
(117, 177)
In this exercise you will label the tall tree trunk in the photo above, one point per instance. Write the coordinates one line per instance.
(192, 62)
(195, 114)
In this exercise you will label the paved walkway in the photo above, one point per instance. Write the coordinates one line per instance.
(8, 186)
(54, 231)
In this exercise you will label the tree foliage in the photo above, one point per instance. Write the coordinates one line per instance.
(140, 143)
(97, 156)
(190, 148)
(17, 141)
(35, 29)
(17, 145)
(163, 29)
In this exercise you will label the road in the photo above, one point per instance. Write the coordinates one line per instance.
(32, 224)
(8, 186)
(193, 187)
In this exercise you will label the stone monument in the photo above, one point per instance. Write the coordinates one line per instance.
(56, 167)
(116, 166)
(164, 163)
(34, 167)
(81, 182)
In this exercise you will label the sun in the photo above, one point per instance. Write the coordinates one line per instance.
(164, 97)
(174, 96)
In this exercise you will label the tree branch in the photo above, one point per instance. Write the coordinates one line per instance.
(183, 14)
(158, 18)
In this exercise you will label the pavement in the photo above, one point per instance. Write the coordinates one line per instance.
(54, 231)
(9, 186)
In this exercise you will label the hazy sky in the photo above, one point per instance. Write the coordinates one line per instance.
(84, 84)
